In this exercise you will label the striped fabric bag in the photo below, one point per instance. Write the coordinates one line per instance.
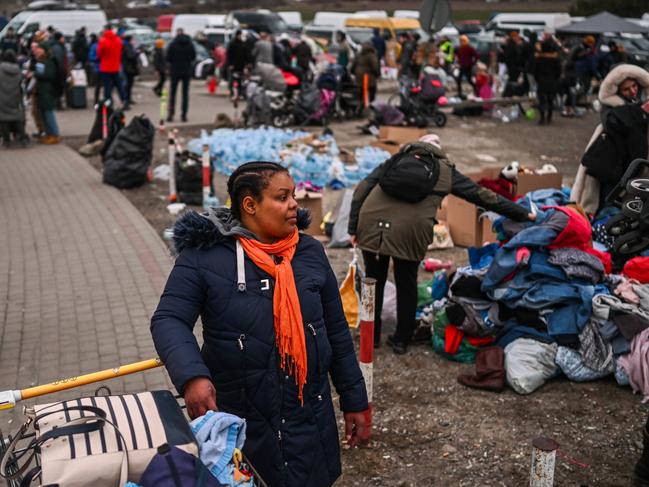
(105, 441)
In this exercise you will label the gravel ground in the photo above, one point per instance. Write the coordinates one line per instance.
(430, 430)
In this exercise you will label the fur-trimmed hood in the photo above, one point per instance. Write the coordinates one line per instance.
(204, 230)
(608, 91)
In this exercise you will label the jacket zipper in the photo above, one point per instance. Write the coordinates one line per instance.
(282, 380)
(317, 351)
(242, 346)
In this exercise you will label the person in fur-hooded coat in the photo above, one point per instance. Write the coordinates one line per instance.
(587, 190)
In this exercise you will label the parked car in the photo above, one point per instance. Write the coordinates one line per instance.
(469, 27)
(65, 21)
(325, 35)
(636, 47)
(487, 45)
(293, 20)
(165, 22)
(258, 20)
(143, 38)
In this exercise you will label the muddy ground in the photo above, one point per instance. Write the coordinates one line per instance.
(430, 430)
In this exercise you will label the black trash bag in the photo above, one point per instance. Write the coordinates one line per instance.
(129, 157)
(307, 104)
(189, 178)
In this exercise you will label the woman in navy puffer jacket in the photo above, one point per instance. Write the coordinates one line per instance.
(292, 438)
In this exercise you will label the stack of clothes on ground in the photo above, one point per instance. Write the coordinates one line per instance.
(547, 298)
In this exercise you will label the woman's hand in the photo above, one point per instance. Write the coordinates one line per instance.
(354, 240)
(531, 217)
(645, 106)
(356, 429)
(200, 397)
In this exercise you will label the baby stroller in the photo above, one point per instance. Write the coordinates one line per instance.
(314, 105)
(630, 227)
(350, 103)
(266, 106)
(420, 99)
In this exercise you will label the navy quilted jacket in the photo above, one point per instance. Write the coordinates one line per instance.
(287, 443)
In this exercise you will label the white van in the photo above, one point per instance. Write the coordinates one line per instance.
(293, 19)
(525, 23)
(333, 19)
(406, 14)
(193, 23)
(370, 14)
(65, 21)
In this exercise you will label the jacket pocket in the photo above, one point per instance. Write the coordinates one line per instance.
(318, 333)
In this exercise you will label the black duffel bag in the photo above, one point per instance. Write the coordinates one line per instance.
(127, 161)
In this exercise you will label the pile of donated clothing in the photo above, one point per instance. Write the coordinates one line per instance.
(548, 298)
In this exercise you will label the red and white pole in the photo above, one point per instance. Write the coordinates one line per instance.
(207, 187)
(366, 354)
(171, 153)
(104, 119)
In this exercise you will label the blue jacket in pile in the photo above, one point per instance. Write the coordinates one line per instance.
(289, 444)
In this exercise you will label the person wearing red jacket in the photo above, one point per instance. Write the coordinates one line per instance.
(467, 57)
(109, 52)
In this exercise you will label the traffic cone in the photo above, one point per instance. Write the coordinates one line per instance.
(211, 85)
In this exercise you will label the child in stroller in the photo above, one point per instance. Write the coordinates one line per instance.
(348, 105)
(422, 97)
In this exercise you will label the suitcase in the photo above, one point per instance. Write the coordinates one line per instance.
(76, 97)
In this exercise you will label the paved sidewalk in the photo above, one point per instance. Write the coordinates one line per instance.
(81, 272)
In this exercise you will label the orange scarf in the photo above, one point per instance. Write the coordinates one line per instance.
(289, 329)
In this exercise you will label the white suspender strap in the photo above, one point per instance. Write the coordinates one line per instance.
(241, 269)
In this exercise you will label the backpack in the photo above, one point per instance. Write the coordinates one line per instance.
(603, 159)
(432, 88)
(410, 177)
(173, 467)
(58, 83)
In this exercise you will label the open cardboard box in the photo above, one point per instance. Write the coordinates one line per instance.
(467, 229)
(391, 139)
(313, 202)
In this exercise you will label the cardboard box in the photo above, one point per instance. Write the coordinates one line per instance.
(402, 135)
(488, 235)
(386, 145)
(441, 212)
(467, 229)
(390, 139)
(532, 182)
(313, 202)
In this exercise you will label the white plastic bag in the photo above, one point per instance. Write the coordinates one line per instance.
(529, 363)
(389, 311)
(572, 365)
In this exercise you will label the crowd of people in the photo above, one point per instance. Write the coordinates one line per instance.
(517, 66)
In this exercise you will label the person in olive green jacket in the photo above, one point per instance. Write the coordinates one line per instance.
(367, 64)
(385, 227)
(46, 72)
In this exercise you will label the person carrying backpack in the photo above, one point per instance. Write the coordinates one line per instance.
(392, 216)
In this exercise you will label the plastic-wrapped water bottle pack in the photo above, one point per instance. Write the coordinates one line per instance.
(318, 163)
(230, 148)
